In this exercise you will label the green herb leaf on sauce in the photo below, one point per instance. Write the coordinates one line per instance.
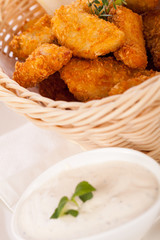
(59, 210)
(83, 190)
(72, 212)
(86, 197)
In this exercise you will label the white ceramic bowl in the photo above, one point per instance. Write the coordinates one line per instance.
(132, 230)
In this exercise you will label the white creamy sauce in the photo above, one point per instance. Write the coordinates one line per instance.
(123, 192)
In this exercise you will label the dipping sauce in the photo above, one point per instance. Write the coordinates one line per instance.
(123, 192)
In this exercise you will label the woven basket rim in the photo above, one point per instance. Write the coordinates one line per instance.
(49, 103)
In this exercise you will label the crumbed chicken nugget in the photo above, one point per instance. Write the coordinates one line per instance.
(141, 6)
(29, 24)
(138, 6)
(85, 34)
(44, 61)
(93, 79)
(83, 5)
(151, 22)
(35, 34)
(124, 85)
(55, 88)
(133, 52)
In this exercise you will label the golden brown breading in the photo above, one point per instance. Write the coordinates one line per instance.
(44, 61)
(152, 35)
(133, 52)
(83, 5)
(35, 34)
(85, 34)
(29, 24)
(55, 88)
(141, 6)
(124, 85)
(93, 79)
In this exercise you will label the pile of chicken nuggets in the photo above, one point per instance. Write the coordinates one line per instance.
(76, 56)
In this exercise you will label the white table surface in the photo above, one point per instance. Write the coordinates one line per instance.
(10, 120)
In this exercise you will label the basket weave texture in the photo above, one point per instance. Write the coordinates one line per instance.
(129, 120)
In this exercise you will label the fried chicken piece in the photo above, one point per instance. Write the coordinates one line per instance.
(133, 52)
(138, 6)
(83, 5)
(29, 24)
(93, 79)
(124, 85)
(151, 22)
(141, 6)
(86, 35)
(55, 88)
(44, 61)
(35, 34)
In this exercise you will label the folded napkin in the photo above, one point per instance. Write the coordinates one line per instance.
(24, 154)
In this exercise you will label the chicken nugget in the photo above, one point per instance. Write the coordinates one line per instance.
(29, 24)
(55, 88)
(138, 6)
(94, 79)
(90, 79)
(84, 5)
(86, 35)
(133, 52)
(44, 61)
(35, 34)
(151, 22)
(90, 6)
(141, 6)
(124, 85)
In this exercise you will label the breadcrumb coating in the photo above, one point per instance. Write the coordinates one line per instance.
(94, 79)
(44, 61)
(133, 52)
(124, 85)
(55, 88)
(86, 35)
(35, 33)
(151, 22)
(141, 6)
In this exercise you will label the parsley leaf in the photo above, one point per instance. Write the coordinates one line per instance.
(86, 197)
(72, 212)
(58, 211)
(83, 190)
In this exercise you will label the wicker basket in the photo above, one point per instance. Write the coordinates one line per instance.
(129, 120)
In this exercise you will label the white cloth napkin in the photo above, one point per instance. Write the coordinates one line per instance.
(24, 154)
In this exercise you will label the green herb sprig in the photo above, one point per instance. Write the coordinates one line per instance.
(84, 191)
(102, 7)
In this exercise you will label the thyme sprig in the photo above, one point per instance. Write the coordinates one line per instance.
(102, 7)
